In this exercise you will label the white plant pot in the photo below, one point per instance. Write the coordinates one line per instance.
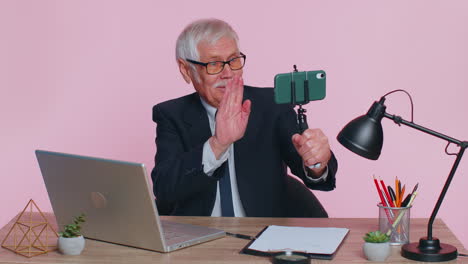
(376, 251)
(71, 245)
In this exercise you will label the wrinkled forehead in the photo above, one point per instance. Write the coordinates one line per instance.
(222, 49)
(214, 38)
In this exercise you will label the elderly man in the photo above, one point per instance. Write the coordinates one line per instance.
(224, 150)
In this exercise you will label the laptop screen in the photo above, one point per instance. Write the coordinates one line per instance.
(117, 199)
(115, 196)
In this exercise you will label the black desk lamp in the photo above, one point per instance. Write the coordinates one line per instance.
(364, 136)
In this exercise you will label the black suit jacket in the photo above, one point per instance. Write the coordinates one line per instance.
(261, 157)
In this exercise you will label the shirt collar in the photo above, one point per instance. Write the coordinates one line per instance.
(211, 110)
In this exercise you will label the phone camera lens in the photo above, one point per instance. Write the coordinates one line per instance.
(320, 75)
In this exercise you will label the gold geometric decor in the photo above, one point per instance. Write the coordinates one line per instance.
(31, 234)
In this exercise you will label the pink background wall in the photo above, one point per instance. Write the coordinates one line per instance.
(81, 77)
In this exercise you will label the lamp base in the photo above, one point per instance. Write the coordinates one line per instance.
(429, 251)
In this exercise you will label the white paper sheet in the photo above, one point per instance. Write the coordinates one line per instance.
(317, 240)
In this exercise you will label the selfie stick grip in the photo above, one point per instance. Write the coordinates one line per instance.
(302, 126)
(302, 120)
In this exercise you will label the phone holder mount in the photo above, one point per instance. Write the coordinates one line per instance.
(301, 116)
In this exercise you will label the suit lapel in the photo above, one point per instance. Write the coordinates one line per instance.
(253, 125)
(196, 121)
(243, 147)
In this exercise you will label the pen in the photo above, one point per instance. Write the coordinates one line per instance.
(392, 193)
(240, 236)
(401, 215)
(408, 197)
(387, 202)
(406, 201)
(413, 195)
(389, 198)
(397, 191)
(382, 200)
(402, 194)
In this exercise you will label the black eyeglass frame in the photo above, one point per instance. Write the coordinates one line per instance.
(205, 64)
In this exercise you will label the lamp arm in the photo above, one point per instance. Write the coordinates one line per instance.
(444, 191)
(400, 120)
(462, 144)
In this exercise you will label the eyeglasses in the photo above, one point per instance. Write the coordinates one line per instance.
(215, 67)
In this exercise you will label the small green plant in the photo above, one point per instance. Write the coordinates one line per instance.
(73, 230)
(376, 237)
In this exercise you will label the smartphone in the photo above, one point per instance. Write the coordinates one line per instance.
(300, 87)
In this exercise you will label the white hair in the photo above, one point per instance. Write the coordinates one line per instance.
(209, 30)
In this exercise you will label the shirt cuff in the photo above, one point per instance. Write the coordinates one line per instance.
(209, 161)
(322, 178)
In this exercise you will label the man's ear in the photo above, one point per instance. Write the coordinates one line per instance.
(184, 69)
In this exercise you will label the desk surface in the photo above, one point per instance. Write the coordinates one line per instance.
(225, 250)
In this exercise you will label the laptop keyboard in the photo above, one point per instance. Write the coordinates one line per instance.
(172, 232)
(175, 233)
(169, 235)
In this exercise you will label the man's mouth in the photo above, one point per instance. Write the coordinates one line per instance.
(221, 84)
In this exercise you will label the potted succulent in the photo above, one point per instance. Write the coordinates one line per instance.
(71, 241)
(376, 246)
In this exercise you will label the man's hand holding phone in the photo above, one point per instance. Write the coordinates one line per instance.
(313, 147)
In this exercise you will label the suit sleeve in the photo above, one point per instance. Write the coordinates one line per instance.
(178, 173)
(287, 127)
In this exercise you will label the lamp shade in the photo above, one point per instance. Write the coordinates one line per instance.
(364, 135)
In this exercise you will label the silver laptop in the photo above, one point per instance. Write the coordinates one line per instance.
(117, 200)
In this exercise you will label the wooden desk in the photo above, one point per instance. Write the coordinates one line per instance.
(225, 250)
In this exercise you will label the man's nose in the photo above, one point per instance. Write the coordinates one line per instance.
(226, 73)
